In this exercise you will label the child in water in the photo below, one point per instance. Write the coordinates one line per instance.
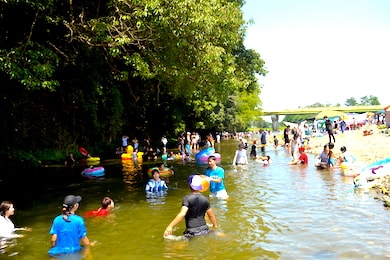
(107, 205)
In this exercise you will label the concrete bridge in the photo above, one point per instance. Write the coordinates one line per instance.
(315, 110)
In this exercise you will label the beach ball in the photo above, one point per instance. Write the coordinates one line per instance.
(199, 182)
(164, 156)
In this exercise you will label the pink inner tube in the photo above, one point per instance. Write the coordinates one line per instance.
(205, 157)
(95, 169)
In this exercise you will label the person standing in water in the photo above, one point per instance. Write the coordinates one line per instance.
(68, 229)
(217, 176)
(156, 184)
(253, 153)
(194, 208)
(7, 227)
(240, 156)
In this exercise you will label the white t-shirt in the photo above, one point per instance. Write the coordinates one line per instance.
(240, 157)
(7, 228)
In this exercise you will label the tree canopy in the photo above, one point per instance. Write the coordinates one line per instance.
(86, 72)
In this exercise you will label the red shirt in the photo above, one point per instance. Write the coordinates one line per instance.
(96, 213)
(303, 158)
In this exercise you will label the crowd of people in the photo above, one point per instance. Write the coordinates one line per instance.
(194, 207)
(68, 230)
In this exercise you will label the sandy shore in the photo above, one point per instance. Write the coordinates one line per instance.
(367, 149)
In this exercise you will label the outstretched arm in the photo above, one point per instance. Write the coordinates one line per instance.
(179, 217)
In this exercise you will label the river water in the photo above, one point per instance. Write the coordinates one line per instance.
(274, 212)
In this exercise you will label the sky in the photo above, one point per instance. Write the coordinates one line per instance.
(324, 51)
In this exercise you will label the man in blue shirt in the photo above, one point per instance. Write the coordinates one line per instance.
(217, 176)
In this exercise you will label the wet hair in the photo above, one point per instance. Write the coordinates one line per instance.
(106, 202)
(343, 149)
(154, 171)
(4, 207)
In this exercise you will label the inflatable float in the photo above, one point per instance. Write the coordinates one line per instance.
(376, 170)
(93, 172)
(92, 160)
(129, 156)
(83, 151)
(167, 172)
(89, 160)
(203, 155)
(350, 169)
(371, 172)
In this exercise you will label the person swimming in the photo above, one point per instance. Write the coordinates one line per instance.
(107, 205)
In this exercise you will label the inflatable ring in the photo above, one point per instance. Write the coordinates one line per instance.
(167, 172)
(93, 159)
(93, 172)
(203, 155)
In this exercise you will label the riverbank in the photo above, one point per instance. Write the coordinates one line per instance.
(366, 148)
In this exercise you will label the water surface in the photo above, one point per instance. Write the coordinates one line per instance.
(274, 212)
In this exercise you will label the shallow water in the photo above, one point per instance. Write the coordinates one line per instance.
(274, 212)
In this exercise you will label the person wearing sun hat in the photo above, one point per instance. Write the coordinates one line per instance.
(194, 207)
(68, 229)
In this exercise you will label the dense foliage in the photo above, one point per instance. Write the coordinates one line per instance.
(86, 72)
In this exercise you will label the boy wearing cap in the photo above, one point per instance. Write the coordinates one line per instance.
(68, 229)
(194, 208)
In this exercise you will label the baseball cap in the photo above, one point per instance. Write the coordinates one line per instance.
(70, 200)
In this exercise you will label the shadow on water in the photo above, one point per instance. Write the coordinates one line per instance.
(274, 212)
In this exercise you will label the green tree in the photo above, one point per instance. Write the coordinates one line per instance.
(351, 102)
(369, 101)
(87, 72)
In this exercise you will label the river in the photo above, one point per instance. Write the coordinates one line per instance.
(274, 212)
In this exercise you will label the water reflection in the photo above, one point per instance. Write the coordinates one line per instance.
(7, 247)
(156, 197)
(132, 173)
